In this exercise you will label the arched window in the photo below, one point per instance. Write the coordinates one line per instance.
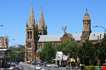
(29, 45)
(29, 34)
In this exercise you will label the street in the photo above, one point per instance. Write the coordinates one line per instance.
(33, 67)
(62, 68)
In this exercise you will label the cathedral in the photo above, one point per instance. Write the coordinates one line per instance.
(37, 35)
(33, 30)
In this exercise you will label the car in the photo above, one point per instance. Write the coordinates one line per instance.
(52, 65)
(38, 67)
(11, 68)
(42, 69)
(19, 67)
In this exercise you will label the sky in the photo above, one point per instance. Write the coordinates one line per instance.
(58, 13)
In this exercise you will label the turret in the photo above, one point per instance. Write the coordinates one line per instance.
(86, 26)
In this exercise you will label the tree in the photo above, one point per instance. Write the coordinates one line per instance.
(48, 52)
(86, 53)
(102, 49)
(99, 54)
(69, 47)
(16, 54)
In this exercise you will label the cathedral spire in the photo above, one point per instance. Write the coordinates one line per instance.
(42, 26)
(31, 20)
(32, 12)
(42, 20)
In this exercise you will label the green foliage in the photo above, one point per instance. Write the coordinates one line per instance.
(86, 53)
(48, 52)
(68, 47)
(16, 54)
(90, 53)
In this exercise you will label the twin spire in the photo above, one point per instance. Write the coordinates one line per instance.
(41, 27)
(42, 24)
(32, 19)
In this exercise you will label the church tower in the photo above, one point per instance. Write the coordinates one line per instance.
(31, 38)
(42, 28)
(86, 27)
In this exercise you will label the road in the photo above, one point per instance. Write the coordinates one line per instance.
(62, 68)
(32, 67)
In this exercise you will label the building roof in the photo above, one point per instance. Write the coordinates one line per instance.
(48, 38)
(96, 36)
(93, 36)
(76, 36)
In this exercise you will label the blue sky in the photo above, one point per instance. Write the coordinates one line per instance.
(14, 16)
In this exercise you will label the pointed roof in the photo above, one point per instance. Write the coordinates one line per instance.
(31, 20)
(86, 12)
(31, 10)
(86, 15)
(42, 21)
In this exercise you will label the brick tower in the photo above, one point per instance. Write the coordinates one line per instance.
(86, 27)
(31, 38)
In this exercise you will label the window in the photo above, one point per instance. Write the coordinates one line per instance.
(29, 45)
(29, 34)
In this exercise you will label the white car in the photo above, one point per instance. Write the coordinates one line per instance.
(38, 67)
(11, 68)
(51, 65)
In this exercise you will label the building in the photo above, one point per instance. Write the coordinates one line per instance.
(3, 57)
(3, 51)
(3, 42)
(37, 35)
(86, 27)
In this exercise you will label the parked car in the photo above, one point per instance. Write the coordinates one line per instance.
(38, 67)
(52, 65)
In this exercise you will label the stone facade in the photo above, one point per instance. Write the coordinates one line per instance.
(31, 38)
(32, 35)
(4, 42)
(3, 51)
